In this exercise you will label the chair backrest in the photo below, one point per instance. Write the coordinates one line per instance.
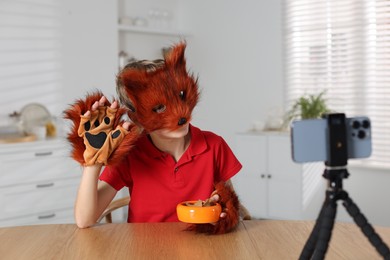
(114, 205)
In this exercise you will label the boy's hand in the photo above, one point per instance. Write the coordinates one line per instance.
(96, 128)
(215, 198)
(224, 194)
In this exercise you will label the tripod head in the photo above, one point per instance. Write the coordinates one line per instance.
(337, 140)
(336, 165)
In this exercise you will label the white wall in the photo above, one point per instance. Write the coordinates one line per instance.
(369, 189)
(236, 49)
(90, 47)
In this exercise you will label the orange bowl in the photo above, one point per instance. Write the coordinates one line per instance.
(196, 214)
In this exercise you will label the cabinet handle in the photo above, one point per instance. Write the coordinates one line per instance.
(262, 176)
(269, 176)
(47, 216)
(43, 154)
(45, 185)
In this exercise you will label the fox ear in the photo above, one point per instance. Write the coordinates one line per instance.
(175, 57)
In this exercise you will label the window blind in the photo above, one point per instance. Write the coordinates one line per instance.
(30, 54)
(342, 47)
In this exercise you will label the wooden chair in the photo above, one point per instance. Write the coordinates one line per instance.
(119, 203)
(114, 205)
(244, 213)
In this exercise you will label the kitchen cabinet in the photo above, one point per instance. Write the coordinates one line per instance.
(270, 184)
(38, 183)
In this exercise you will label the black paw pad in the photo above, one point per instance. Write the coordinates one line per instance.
(87, 126)
(116, 134)
(96, 141)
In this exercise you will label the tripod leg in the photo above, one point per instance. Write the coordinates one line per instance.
(325, 232)
(366, 227)
(308, 249)
(317, 243)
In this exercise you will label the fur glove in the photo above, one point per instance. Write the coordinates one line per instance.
(230, 204)
(99, 137)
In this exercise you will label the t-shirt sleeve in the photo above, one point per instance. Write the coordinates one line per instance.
(228, 164)
(112, 175)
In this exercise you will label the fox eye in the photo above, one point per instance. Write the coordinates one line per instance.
(182, 95)
(159, 109)
(131, 108)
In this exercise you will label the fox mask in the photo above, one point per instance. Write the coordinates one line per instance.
(159, 94)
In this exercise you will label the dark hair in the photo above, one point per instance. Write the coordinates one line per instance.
(148, 65)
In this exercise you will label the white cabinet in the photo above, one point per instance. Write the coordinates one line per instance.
(38, 183)
(270, 184)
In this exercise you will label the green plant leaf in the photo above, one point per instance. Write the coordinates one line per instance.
(309, 106)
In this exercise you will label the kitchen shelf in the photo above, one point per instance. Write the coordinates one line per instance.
(147, 30)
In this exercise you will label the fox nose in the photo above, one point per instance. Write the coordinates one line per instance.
(182, 121)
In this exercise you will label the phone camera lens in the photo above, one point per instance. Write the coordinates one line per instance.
(361, 134)
(355, 124)
(366, 124)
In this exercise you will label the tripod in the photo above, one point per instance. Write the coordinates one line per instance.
(335, 171)
(317, 243)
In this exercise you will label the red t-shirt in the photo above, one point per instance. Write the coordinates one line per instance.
(157, 183)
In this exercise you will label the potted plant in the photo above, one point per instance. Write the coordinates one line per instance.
(309, 106)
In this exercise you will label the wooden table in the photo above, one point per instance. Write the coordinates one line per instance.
(254, 239)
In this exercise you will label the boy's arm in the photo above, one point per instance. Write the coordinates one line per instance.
(92, 198)
(92, 146)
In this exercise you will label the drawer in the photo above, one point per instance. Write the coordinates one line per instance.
(39, 152)
(29, 199)
(32, 147)
(63, 216)
(41, 167)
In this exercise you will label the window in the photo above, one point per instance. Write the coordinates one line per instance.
(343, 47)
(30, 54)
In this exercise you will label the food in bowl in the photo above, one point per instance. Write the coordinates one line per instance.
(198, 212)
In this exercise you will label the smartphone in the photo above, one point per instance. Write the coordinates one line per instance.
(309, 139)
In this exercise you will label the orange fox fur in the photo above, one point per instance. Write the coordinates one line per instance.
(230, 204)
(161, 97)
